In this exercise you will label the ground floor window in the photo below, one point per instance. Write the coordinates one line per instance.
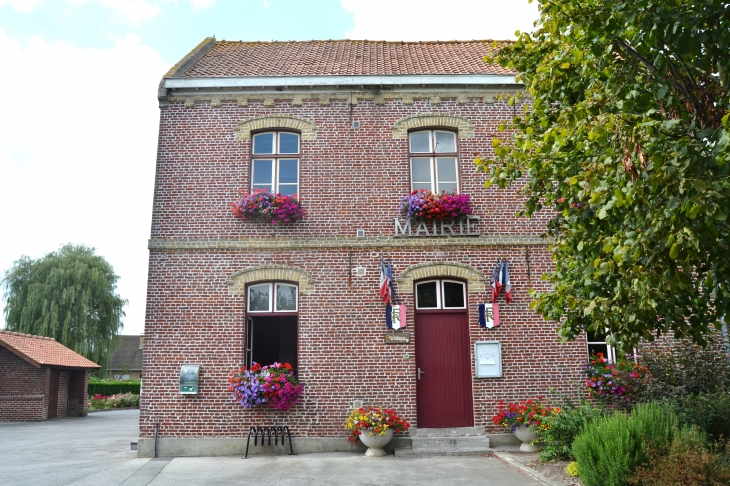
(272, 324)
(597, 344)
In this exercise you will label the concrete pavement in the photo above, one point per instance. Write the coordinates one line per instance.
(95, 450)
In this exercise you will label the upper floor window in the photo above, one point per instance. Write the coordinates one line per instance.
(434, 159)
(275, 162)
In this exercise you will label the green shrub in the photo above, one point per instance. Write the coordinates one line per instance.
(683, 370)
(685, 462)
(609, 449)
(707, 411)
(109, 388)
(564, 427)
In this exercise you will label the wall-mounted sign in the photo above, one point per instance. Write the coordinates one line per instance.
(189, 379)
(488, 359)
(468, 226)
(489, 315)
(398, 338)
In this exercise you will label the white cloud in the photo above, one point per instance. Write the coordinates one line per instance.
(134, 11)
(77, 155)
(202, 3)
(411, 20)
(21, 5)
(266, 4)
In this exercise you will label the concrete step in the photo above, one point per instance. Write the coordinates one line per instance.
(463, 452)
(449, 443)
(448, 432)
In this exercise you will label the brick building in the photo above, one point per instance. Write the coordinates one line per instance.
(351, 127)
(41, 379)
(125, 362)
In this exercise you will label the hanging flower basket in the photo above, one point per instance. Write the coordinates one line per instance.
(267, 206)
(274, 384)
(425, 205)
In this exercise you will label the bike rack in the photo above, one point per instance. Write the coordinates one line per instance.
(263, 432)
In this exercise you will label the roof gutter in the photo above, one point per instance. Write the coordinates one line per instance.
(453, 80)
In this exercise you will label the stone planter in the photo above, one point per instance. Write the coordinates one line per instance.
(527, 436)
(375, 442)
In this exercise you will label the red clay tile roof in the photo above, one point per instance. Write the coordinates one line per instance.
(43, 351)
(345, 57)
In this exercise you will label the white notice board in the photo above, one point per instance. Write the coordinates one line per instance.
(488, 359)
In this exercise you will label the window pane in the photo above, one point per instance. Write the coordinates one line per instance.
(420, 141)
(446, 173)
(596, 336)
(288, 143)
(288, 189)
(258, 298)
(288, 171)
(262, 172)
(427, 295)
(286, 297)
(421, 170)
(263, 143)
(595, 348)
(454, 295)
(445, 142)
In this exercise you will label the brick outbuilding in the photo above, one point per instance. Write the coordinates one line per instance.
(351, 127)
(41, 378)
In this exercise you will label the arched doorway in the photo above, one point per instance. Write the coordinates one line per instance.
(443, 358)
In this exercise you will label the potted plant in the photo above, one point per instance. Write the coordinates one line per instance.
(374, 427)
(274, 384)
(263, 204)
(423, 205)
(527, 420)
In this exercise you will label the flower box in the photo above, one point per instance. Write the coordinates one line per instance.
(425, 205)
(266, 206)
(274, 384)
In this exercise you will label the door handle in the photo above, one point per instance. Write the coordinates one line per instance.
(420, 373)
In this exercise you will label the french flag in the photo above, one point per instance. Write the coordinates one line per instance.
(496, 283)
(385, 279)
(505, 282)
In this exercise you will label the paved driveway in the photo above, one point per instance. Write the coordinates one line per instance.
(95, 450)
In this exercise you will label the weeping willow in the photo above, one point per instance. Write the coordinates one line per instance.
(68, 295)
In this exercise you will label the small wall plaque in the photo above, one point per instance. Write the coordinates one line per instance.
(189, 379)
(398, 338)
(488, 359)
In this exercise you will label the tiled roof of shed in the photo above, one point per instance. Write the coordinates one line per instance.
(345, 57)
(43, 351)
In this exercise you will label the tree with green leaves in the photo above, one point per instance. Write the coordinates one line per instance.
(68, 295)
(625, 140)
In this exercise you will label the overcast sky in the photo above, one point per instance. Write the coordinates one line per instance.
(79, 113)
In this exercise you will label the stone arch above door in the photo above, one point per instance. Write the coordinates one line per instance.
(474, 278)
(238, 281)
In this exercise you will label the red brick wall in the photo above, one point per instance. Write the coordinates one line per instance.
(350, 178)
(23, 389)
(78, 401)
(62, 408)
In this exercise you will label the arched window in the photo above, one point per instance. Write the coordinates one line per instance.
(440, 295)
(434, 160)
(275, 162)
(271, 331)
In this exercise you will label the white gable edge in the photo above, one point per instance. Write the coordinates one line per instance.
(307, 81)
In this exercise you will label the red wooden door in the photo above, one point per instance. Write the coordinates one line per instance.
(53, 394)
(443, 392)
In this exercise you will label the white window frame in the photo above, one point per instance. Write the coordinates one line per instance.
(276, 157)
(272, 298)
(440, 293)
(432, 155)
